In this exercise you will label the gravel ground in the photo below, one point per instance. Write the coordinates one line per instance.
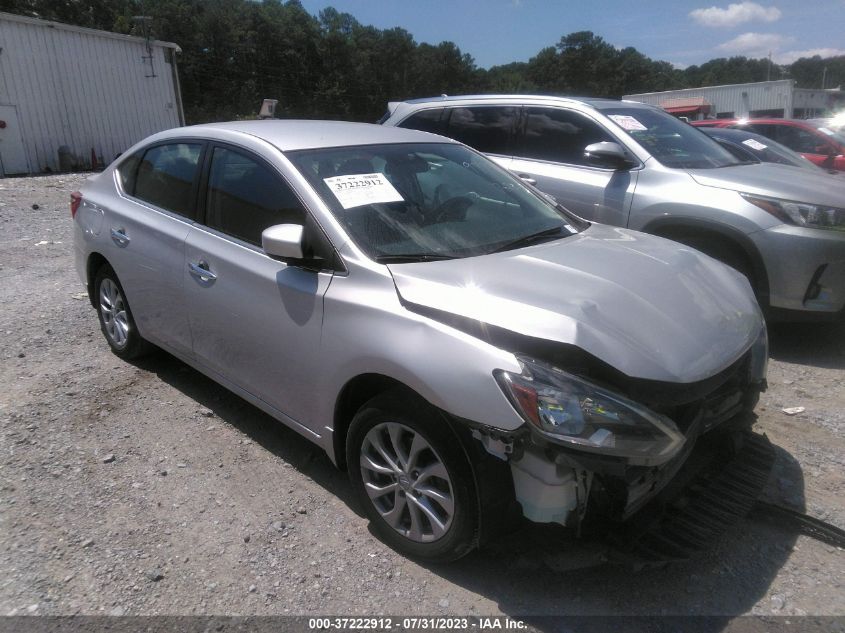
(147, 489)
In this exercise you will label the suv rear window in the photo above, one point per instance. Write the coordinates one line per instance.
(425, 120)
(487, 129)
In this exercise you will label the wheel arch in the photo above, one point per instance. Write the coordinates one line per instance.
(95, 262)
(677, 229)
(491, 477)
(355, 393)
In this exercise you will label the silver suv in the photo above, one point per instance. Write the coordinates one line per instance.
(633, 165)
(465, 348)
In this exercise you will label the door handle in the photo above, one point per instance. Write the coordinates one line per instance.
(200, 271)
(120, 237)
(528, 179)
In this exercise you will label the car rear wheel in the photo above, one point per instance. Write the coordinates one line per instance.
(116, 320)
(413, 479)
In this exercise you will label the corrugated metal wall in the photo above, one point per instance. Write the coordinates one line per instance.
(741, 99)
(818, 102)
(84, 89)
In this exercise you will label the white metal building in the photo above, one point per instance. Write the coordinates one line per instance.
(85, 94)
(770, 99)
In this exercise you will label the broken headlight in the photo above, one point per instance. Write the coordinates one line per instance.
(800, 213)
(581, 415)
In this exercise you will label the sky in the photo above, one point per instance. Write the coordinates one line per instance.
(682, 32)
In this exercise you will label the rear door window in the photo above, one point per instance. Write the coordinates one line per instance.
(127, 172)
(559, 135)
(425, 120)
(166, 176)
(245, 197)
(488, 129)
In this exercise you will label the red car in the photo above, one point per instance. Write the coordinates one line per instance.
(823, 146)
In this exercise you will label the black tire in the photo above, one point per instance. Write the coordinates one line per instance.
(377, 418)
(120, 333)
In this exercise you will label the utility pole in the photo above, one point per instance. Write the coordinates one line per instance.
(769, 68)
(824, 76)
(144, 21)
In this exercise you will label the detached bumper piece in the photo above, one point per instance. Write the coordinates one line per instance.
(712, 493)
(799, 523)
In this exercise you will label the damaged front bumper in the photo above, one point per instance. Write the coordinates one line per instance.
(557, 485)
(555, 482)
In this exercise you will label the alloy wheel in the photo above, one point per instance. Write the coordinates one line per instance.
(113, 312)
(407, 482)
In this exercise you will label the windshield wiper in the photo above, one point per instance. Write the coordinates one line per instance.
(525, 240)
(412, 257)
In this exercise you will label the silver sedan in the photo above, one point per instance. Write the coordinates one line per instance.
(465, 347)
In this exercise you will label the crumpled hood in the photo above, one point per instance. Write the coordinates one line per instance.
(649, 307)
(776, 181)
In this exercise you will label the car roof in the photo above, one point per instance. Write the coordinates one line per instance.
(595, 102)
(291, 134)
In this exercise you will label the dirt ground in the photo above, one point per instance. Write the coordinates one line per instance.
(147, 489)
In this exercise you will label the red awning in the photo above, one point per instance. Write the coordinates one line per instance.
(704, 109)
(688, 105)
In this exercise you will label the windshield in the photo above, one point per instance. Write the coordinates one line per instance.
(672, 142)
(759, 147)
(419, 202)
(834, 134)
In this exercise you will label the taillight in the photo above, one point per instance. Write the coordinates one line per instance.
(75, 201)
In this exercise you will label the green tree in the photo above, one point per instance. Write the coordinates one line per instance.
(733, 70)
(237, 52)
(809, 72)
(544, 70)
(510, 78)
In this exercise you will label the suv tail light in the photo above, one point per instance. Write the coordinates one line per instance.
(75, 201)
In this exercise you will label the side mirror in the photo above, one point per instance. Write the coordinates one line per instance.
(830, 157)
(607, 154)
(283, 241)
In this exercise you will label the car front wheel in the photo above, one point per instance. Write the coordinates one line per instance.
(413, 479)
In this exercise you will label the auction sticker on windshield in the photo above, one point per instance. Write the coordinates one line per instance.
(627, 122)
(754, 144)
(355, 190)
